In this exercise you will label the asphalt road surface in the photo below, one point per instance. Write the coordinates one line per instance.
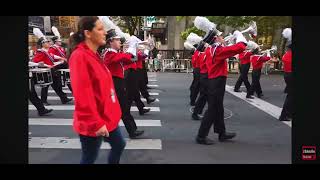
(170, 132)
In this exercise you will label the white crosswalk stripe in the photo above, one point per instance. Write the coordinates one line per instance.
(260, 104)
(69, 92)
(44, 142)
(57, 98)
(71, 107)
(74, 143)
(68, 122)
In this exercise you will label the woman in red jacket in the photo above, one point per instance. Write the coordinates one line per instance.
(97, 110)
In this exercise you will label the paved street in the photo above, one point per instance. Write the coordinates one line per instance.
(169, 130)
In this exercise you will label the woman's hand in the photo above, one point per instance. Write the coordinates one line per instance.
(103, 131)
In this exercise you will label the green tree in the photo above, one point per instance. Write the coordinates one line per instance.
(129, 24)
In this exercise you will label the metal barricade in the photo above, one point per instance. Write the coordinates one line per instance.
(176, 65)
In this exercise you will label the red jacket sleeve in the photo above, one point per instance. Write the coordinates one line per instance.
(287, 56)
(117, 58)
(141, 55)
(229, 51)
(82, 86)
(38, 57)
(264, 58)
(41, 57)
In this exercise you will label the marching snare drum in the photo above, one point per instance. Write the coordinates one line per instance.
(65, 76)
(41, 76)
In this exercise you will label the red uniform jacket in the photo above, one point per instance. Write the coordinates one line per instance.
(217, 63)
(115, 61)
(43, 56)
(130, 66)
(141, 57)
(245, 57)
(96, 102)
(258, 60)
(195, 59)
(287, 61)
(58, 51)
(202, 60)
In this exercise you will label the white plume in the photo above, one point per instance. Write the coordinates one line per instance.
(71, 33)
(194, 38)
(37, 32)
(188, 45)
(55, 31)
(204, 24)
(107, 23)
(274, 48)
(287, 33)
(252, 45)
(126, 36)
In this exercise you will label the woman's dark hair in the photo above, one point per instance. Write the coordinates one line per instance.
(85, 23)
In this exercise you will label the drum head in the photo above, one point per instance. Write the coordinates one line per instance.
(40, 70)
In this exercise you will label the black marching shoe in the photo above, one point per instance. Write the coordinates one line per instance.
(46, 104)
(237, 90)
(225, 136)
(284, 118)
(144, 111)
(196, 117)
(136, 134)
(205, 141)
(65, 101)
(249, 96)
(260, 95)
(44, 112)
(150, 100)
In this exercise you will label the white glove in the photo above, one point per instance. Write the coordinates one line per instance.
(146, 52)
(239, 37)
(251, 45)
(132, 50)
(268, 54)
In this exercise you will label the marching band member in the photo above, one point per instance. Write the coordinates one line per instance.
(202, 99)
(245, 66)
(195, 85)
(33, 96)
(132, 87)
(43, 55)
(287, 110)
(97, 110)
(58, 52)
(257, 62)
(217, 76)
(244, 58)
(141, 77)
(115, 61)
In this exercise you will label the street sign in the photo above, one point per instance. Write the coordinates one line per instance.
(150, 20)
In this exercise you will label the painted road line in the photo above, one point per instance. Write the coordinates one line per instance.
(68, 91)
(57, 98)
(74, 143)
(71, 107)
(152, 80)
(270, 109)
(68, 122)
(152, 85)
